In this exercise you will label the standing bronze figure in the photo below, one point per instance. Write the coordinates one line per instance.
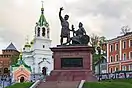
(65, 31)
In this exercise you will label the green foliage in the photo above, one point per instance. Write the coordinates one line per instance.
(120, 80)
(21, 85)
(107, 85)
(102, 39)
(94, 40)
(14, 59)
(120, 83)
(96, 58)
(97, 41)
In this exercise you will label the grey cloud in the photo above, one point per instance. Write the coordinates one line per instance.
(105, 15)
(108, 8)
(8, 36)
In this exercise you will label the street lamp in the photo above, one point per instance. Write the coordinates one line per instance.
(3, 79)
(99, 53)
(33, 68)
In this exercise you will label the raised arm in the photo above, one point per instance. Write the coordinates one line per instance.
(61, 18)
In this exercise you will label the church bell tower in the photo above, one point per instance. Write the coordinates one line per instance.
(42, 26)
(42, 43)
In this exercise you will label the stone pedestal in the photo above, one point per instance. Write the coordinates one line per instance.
(72, 63)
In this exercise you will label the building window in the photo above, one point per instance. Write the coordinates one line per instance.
(130, 55)
(116, 68)
(116, 46)
(43, 31)
(111, 70)
(117, 57)
(111, 48)
(124, 45)
(130, 67)
(124, 57)
(124, 68)
(38, 32)
(111, 59)
(43, 46)
(130, 43)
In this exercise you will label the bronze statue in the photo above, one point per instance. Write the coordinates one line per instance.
(79, 36)
(65, 31)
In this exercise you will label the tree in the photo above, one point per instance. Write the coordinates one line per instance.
(102, 39)
(98, 41)
(94, 40)
(125, 29)
(103, 43)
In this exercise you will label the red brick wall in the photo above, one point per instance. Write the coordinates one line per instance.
(5, 59)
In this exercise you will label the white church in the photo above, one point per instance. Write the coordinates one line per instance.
(37, 53)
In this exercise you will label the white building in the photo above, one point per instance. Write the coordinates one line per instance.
(37, 53)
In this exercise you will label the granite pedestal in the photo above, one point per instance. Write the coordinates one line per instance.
(72, 63)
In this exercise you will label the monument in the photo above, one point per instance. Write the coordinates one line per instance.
(72, 59)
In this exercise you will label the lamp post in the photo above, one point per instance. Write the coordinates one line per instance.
(99, 53)
(10, 79)
(33, 68)
(3, 80)
(2, 77)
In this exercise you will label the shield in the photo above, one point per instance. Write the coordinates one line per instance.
(84, 39)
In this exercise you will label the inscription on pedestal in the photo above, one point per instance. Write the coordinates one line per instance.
(71, 62)
(72, 54)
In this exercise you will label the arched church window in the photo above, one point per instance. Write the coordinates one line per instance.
(48, 33)
(43, 46)
(36, 27)
(43, 31)
(38, 32)
(5, 70)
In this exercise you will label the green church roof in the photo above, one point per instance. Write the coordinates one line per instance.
(20, 63)
(42, 21)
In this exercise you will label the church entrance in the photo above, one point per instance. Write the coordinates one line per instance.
(22, 79)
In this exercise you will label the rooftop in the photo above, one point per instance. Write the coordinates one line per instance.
(11, 47)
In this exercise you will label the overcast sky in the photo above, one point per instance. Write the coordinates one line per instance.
(102, 17)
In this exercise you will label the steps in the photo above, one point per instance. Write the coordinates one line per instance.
(58, 84)
(71, 75)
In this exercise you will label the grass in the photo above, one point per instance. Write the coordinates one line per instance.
(21, 85)
(117, 83)
(119, 80)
